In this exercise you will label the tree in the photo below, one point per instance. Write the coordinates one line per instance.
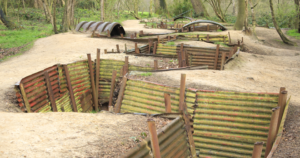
(216, 5)
(54, 17)
(247, 30)
(4, 6)
(68, 16)
(282, 36)
(150, 7)
(241, 15)
(253, 18)
(102, 10)
(297, 4)
(47, 11)
(199, 8)
(233, 7)
(10, 25)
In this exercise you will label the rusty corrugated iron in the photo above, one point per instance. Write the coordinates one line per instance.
(173, 142)
(147, 97)
(114, 28)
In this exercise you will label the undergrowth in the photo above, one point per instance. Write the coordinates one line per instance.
(146, 74)
(293, 33)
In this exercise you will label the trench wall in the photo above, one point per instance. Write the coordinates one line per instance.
(225, 124)
(173, 142)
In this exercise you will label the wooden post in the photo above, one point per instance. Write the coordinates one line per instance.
(179, 59)
(223, 60)
(216, 57)
(207, 38)
(97, 72)
(137, 50)
(112, 87)
(281, 103)
(158, 39)
(224, 39)
(272, 130)
(183, 60)
(155, 47)
(182, 92)
(189, 132)
(229, 38)
(169, 38)
(70, 88)
(126, 66)
(182, 29)
(239, 43)
(105, 51)
(176, 31)
(198, 38)
(25, 98)
(131, 36)
(135, 35)
(187, 58)
(50, 91)
(153, 138)
(118, 49)
(174, 38)
(242, 39)
(120, 97)
(257, 150)
(150, 45)
(95, 97)
(122, 36)
(207, 28)
(155, 65)
(112, 50)
(125, 48)
(167, 103)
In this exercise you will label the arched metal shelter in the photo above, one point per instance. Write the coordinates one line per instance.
(223, 28)
(115, 29)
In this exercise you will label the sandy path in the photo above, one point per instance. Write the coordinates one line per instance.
(270, 69)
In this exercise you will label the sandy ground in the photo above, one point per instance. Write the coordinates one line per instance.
(269, 66)
(71, 135)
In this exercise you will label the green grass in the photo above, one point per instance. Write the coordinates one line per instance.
(170, 43)
(146, 74)
(293, 33)
(222, 44)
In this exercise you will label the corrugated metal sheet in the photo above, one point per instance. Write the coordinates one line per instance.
(146, 97)
(64, 103)
(173, 142)
(80, 80)
(227, 124)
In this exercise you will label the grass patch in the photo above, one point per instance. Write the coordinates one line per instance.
(146, 74)
(293, 33)
(170, 43)
(222, 44)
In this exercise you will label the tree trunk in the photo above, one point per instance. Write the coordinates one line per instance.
(150, 7)
(241, 15)
(4, 5)
(216, 5)
(284, 39)
(10, 25)
(199, 8)
(102, 10)
(233, 7)
(156, 6)
(253, 19)
(54, 17)
(63, 2)
(247, 30)
(297, 4)
(23, 4)
(163, 6)
(136, 8)
(65, 21)
(36, 6)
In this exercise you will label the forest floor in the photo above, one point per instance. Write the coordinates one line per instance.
(265, 67)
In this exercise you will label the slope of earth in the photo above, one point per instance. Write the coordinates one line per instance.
(71, 134)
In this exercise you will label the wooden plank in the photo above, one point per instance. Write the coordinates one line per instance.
(137, 50)
(118, 49)
(50, 91)
(155, 47)
(272, 130)
(167, 103)
(95, 98)
(281, 103)
(121, 94)
(155, 65)
(217, 56)
(70, 88)
(189, 133)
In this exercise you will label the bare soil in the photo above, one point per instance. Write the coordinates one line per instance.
(264, 67)
(71, 134)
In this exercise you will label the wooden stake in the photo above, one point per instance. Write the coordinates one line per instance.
(70, 88)
(153, 138)
(95, 97)
(155, 47)
(257, 150)
(120, 97)
(207, 38)
(97, 73)
(50, 91)
(125, 48)
(137, 50)
(105, 51)
(182, 92)
(167, 103)
(189, 132)
(183, 58)
(126, 65)
(122, 36)
(158, 39)
(281, 103)
(155, 65)
(118, 49)
(272, 130)
(25, 98)
(216, 57)
(223, 60)
(150, 45)
(112, 87)
(108, 33)
(229, 38)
